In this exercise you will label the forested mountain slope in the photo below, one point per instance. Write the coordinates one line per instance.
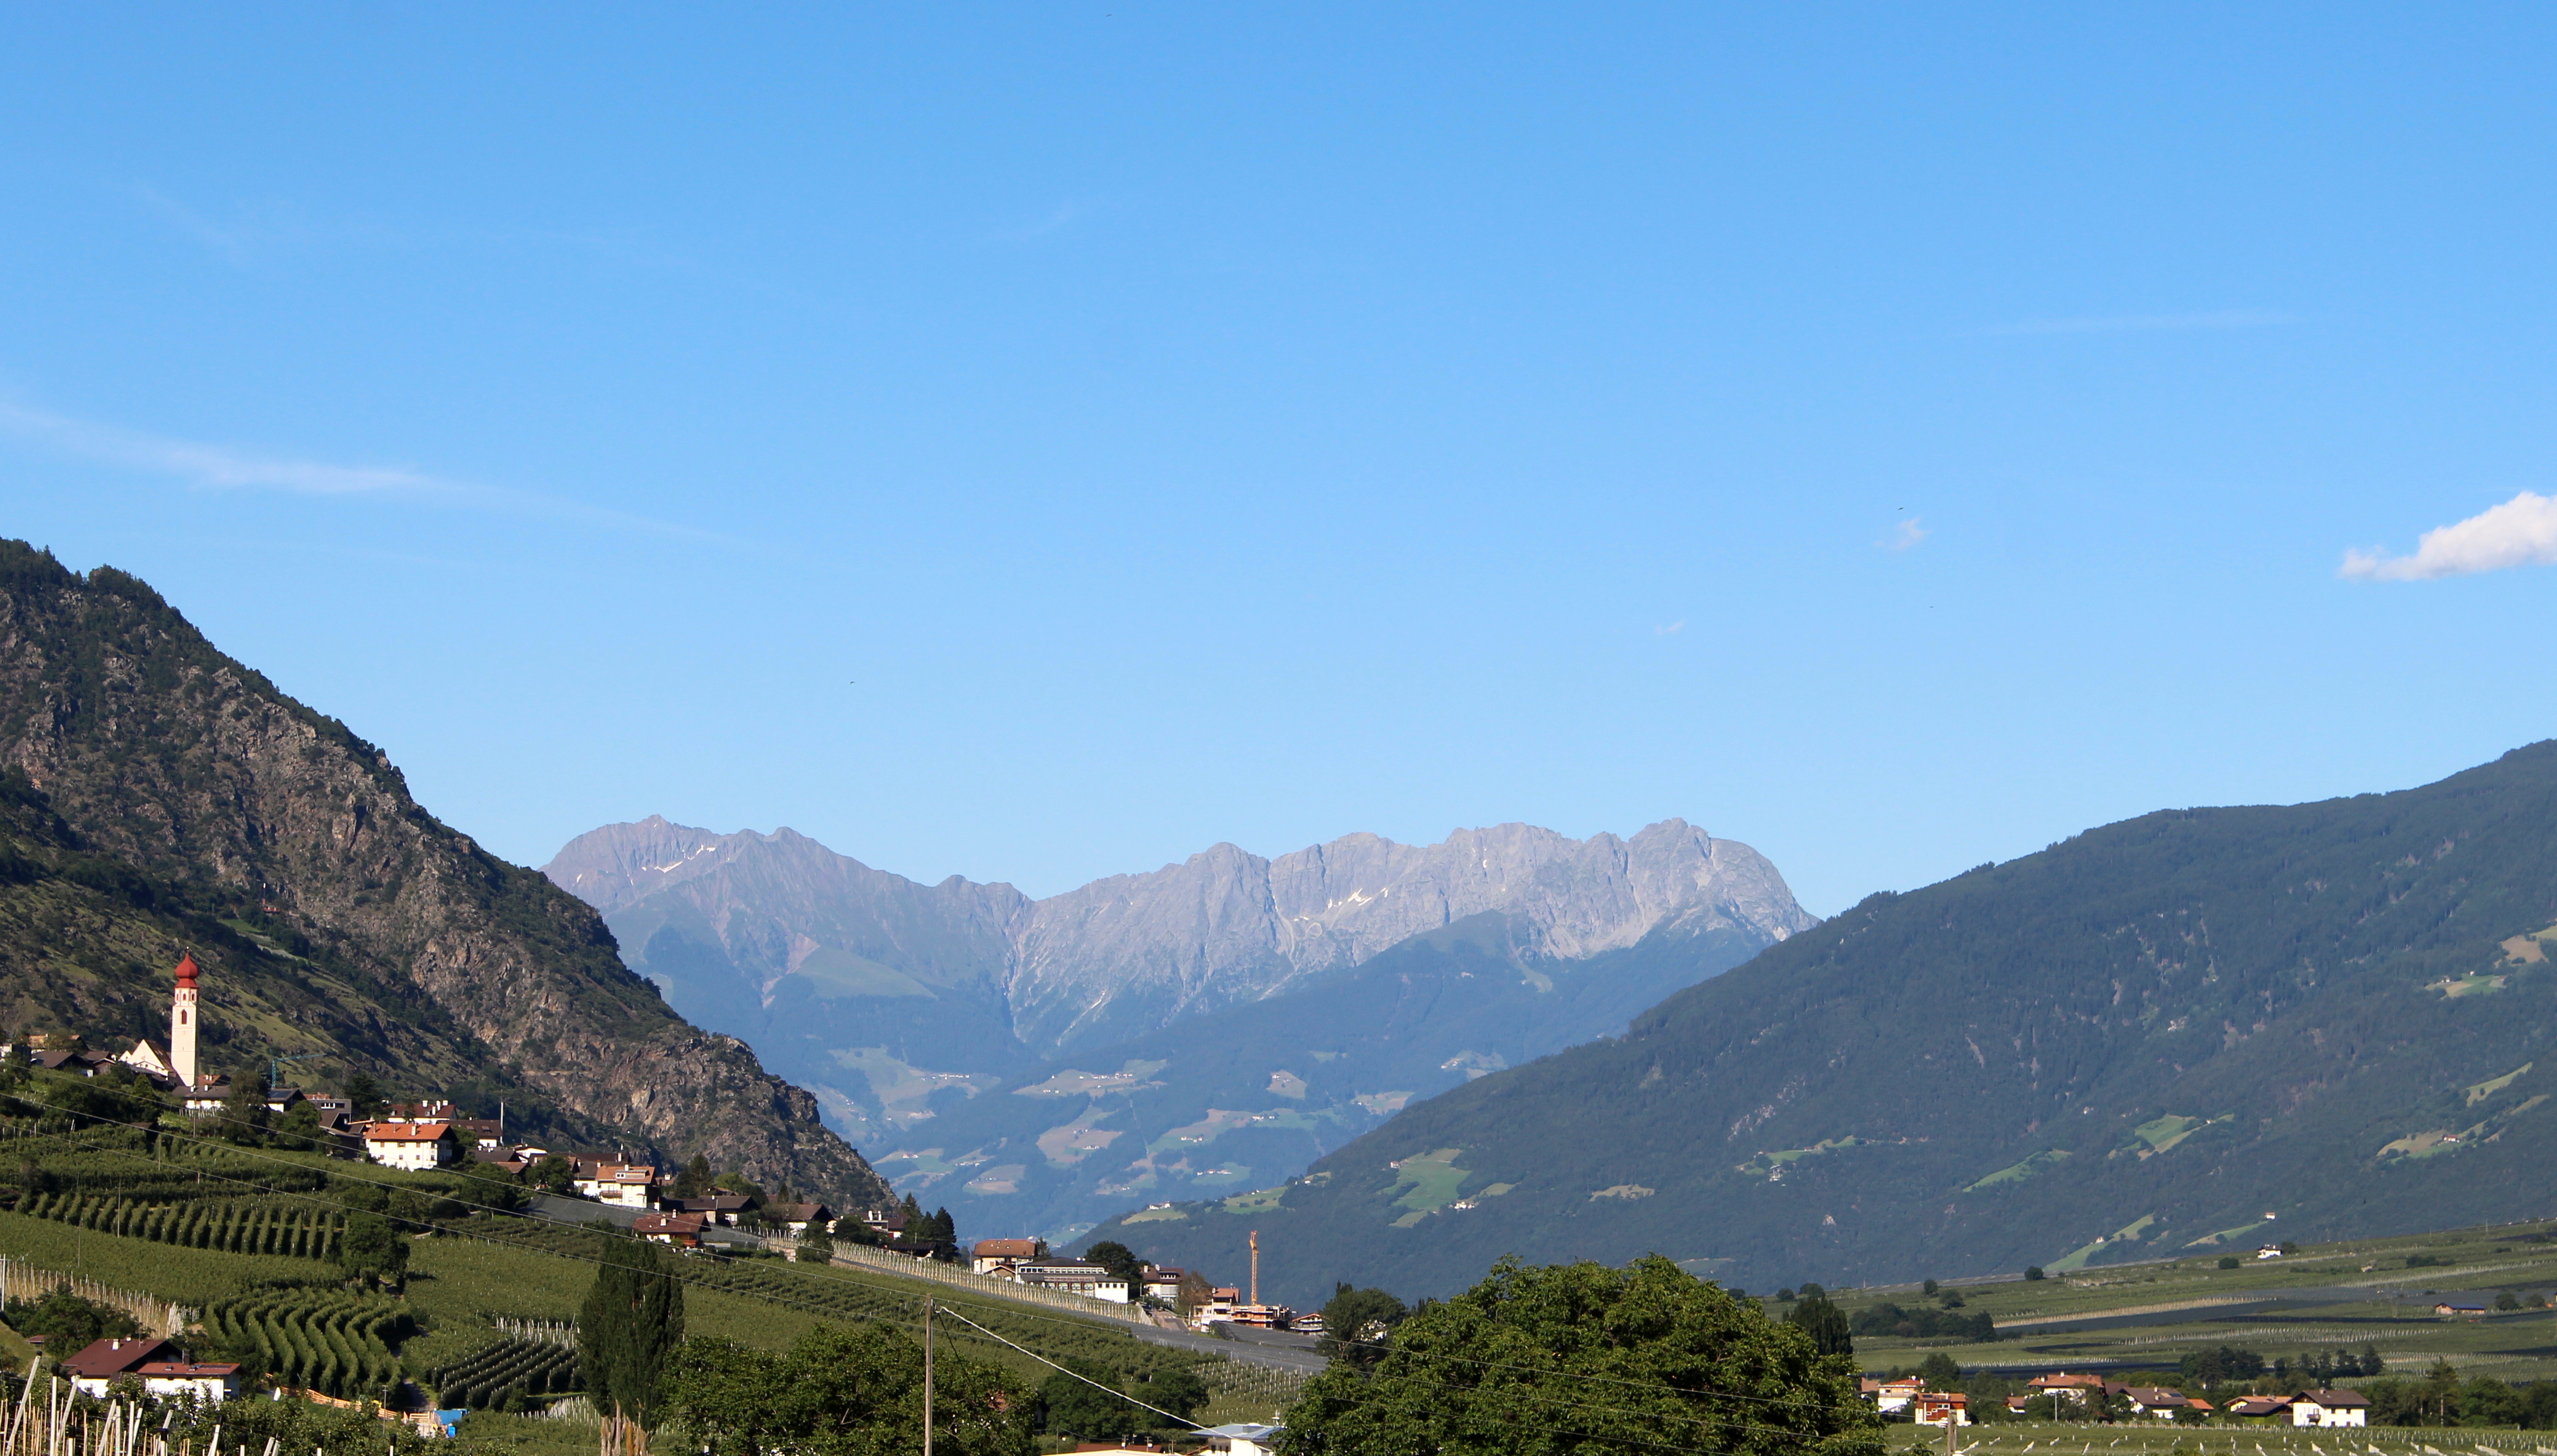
(1240, 1098)
(163, 796)
(2144, 1039)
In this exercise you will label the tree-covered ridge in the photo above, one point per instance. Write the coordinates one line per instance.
(378, 929)
(2149, 1035)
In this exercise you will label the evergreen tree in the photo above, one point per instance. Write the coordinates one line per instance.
(1824, 1321)
(695, 1180)
(244, 1114)
(632, 1319)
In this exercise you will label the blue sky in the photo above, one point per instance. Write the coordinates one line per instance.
(1039, 442)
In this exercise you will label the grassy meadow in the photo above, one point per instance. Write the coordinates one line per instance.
(2192, 1303)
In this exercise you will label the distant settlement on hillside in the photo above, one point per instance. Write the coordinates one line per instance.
(690, 1209)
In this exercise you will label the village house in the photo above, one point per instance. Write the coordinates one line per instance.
(1002, 1256)
(480, 1131)
(78, 1064)
(723, 1209)
(1892, 1397)
(2078, 1387)
(2328, 1408)
(438, 1111)
(100, 1362)
(209, 1093)
(2460, 1311)
(624, 1185)
(282, 1098)
(2254, 1407)
(206, 1382)
(2156, 1403)
(412, 1145)
(1941, 1407)
(1074, 1277)
(1163, 1284)
(683, 1229)
(795, 1219)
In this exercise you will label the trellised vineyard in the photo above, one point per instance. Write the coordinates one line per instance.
(235, 1226)
(338, 1344)
(481, 1379)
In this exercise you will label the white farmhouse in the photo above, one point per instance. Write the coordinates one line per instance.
(413, 1146)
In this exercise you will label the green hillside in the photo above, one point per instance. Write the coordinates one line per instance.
(2137, 1042)
(249, 1240)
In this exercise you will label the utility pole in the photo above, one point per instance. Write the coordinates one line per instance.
(928, 1374)
(1256, 1269)
(1950, 1415)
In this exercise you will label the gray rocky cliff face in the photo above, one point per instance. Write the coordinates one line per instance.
(1131, 953)
(1135, 952)
(163, 752)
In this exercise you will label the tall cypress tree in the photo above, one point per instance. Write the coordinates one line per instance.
(632, 1321)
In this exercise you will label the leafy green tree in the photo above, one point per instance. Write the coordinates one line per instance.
(1356, 1323)
(632, 1319)
(816, 1245)
(1579, 1360)
(1072, 1406)
(842, 1393)
(553, 1174)
(372, 1250)
(1939, 1372)
(2033, 1273)
(1824, 1321)
(2485, 1400)
(69, 1322)
(2507, 1301)
(1119, 1260)
(299, 1128)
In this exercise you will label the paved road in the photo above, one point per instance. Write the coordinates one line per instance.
(2417, 1299)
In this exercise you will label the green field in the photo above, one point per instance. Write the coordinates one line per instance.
(2195, 1304)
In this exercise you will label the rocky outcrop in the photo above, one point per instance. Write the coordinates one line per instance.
(1128, 954)
(159, 750)
(741, 914)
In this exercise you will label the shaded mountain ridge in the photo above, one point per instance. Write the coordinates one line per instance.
(2139, 1041)
(334, 914)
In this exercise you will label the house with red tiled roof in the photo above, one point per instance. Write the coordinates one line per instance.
(398, 1143)
(205, 1380)
(683, 1229)
(103, 1360)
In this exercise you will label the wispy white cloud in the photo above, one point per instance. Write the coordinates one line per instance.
(2151, 322)
(226, 467)
(2520, 532)
(1670, 630)
(1903, 534)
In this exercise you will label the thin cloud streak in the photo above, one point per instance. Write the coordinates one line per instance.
(223, 467)
(2520, 532)
(1905, 535)
(2153, 323)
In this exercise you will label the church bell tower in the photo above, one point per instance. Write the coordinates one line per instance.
(182, 1024)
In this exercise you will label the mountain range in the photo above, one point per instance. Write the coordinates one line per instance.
(159, 797)
(1036, 1063)
(2195, 1029)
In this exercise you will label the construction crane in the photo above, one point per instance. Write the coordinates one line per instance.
(275, 1066)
